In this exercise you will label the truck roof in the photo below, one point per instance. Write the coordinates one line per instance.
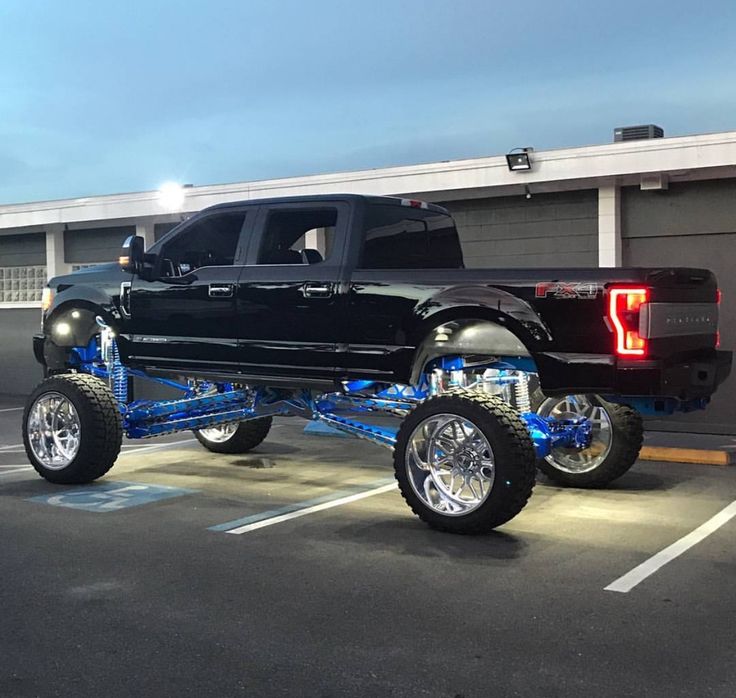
(311, 198)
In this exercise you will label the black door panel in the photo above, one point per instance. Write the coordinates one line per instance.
(183, 314)
(181, 321)
(291, 296)
(282, 329)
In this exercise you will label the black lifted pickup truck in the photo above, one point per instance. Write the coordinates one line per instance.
(339, 306)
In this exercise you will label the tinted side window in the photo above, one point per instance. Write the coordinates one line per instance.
(294, 236)
(398, 237)
(210, 242)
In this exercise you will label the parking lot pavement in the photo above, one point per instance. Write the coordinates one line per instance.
(134, 586)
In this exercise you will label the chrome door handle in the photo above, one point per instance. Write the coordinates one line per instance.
(318, 290)
(221, 290)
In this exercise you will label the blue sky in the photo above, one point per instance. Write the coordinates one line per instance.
(101, 97)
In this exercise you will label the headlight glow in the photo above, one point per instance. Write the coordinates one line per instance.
(47, 297)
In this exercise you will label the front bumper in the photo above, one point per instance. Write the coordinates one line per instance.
(38, 342)
(693, 378)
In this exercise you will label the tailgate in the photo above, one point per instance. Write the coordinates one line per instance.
(680, 313)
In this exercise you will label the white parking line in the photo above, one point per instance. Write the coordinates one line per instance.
(18, 469)
(7, 448)
(155, 447)
(311, 510)
(648, 567)
(11, 409)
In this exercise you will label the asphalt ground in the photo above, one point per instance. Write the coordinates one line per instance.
(361, 599)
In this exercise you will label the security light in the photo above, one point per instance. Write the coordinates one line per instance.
(518, 159)
(171, 196)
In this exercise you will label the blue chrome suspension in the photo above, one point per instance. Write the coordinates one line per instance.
(204, 405)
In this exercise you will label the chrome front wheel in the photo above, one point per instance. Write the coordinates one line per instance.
(72, 428)
(219, 435)
(238, 437)
(54, 430)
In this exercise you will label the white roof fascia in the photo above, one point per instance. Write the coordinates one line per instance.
(551, 168)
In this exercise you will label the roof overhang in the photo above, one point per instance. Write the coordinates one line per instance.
(707, 156)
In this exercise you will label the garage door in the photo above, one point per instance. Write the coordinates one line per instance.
(701, 220)
(715, 252)
(548, 230)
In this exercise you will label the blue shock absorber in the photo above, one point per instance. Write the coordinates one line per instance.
(117, 373)
(119, 376)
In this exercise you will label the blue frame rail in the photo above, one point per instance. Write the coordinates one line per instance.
(206, 405)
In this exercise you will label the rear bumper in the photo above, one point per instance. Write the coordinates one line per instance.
(691, 379)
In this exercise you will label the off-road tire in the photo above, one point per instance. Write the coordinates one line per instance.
(245, 438)
(101, 427)
(513, 452)
(627, 436)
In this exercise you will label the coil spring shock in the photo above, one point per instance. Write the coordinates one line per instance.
(521, 393)
(117, 374)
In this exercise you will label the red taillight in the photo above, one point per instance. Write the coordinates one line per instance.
(624, 306)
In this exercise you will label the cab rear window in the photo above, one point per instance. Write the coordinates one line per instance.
(399, 237)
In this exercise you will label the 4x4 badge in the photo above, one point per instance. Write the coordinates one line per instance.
(567, 289)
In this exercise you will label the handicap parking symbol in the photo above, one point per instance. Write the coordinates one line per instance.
(110, 496)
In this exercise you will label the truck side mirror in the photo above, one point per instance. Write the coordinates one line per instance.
(132, 254)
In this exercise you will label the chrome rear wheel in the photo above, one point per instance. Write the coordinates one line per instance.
(617, 435)
(464, 462)
(575, 461)
(450, 464)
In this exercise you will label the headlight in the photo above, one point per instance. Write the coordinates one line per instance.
(47, 298)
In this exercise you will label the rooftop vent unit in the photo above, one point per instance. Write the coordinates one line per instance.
(637, 133)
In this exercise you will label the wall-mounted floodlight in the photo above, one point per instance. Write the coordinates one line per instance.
(519, 159)
(171, 196)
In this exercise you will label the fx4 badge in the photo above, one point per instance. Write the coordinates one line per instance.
(567, 289)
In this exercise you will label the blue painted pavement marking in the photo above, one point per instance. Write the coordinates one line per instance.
(110, 496)
(297, 506)
(322, 429)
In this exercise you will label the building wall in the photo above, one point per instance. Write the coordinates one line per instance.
(548, 230)
(22, 275)
(22, 249)
(19, 371)
(160, 229)
(692, 224)
(95, 245)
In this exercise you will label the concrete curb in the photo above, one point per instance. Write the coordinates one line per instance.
(686, 455)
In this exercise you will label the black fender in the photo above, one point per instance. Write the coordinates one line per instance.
(489, 303)
(466, 337)
(71, 321)
(485, 321)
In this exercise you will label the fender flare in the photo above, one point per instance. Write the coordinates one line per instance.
(71, 324)
(471, 336)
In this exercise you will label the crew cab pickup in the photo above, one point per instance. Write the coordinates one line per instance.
(311, 291)
(335, 307)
